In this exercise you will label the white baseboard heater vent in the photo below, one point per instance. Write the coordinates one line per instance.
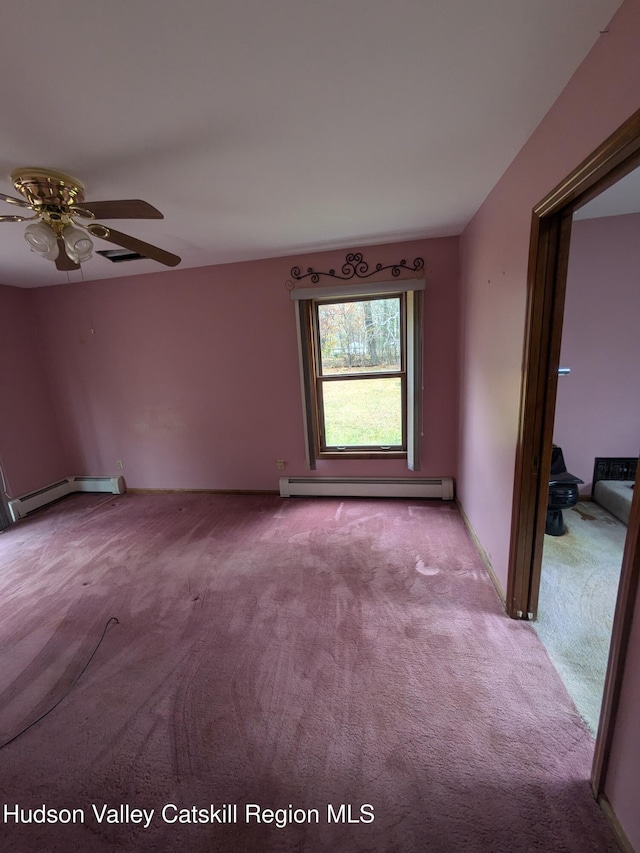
(368, 487)
(19, 507)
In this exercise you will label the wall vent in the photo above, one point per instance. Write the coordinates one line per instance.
(117, 256)
(368, 487)
(19, 507)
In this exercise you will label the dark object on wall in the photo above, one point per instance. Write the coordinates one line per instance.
(355, 267)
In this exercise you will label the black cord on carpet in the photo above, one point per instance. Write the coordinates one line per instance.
(69, 689)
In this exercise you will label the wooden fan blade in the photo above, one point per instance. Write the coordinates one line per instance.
(124, 208)
(11, 200)
(134, 245)
(14, 218)
(63, 261)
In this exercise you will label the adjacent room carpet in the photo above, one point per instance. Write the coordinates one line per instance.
(578, 590)
(286, 654)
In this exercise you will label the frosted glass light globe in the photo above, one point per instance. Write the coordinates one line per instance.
(42, 240)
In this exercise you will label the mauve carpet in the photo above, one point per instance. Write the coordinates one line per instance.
(277, 652)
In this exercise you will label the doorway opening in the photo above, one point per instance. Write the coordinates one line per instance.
(549, 256)
(595, 434)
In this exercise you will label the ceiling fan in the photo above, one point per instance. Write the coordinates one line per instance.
(63, 224)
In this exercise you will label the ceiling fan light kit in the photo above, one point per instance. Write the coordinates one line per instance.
(78, 244)
(42, 240)
(60, 234)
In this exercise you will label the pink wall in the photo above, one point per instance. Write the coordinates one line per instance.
(598, 404)
(622, 783)
(601, 95)
(31, 450)
(494, 258)
(191, 377)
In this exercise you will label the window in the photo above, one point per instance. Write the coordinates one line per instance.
(360, 375)
(360, 362)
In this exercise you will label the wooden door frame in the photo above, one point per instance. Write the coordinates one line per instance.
(546, 285)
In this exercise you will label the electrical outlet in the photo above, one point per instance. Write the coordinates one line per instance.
(120, 465)
(280, 463)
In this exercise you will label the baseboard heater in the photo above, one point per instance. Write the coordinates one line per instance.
(19, 507)
(368, 487)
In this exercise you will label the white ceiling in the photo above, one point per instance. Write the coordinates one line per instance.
(270, 127)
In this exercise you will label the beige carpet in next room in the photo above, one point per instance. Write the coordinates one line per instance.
(578, 589)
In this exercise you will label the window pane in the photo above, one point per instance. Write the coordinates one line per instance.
(363, 412)
(359, 337)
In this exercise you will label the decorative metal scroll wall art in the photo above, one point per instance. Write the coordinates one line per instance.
(354, 267)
